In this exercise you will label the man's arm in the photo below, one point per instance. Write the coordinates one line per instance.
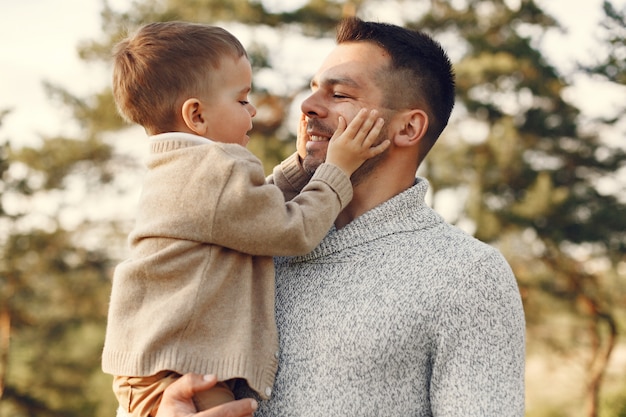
(479, 361)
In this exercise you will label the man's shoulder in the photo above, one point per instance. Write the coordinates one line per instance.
(440, 247)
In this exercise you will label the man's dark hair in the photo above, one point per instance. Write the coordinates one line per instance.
(421, 74)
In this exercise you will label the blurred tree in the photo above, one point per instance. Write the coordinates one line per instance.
(54, 277)
(523, 158)
(612, 67)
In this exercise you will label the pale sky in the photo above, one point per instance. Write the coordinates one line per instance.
(39, 40)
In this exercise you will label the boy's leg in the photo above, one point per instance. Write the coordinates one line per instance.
(141, 396)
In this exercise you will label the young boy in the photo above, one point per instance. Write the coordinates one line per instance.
(197, 293)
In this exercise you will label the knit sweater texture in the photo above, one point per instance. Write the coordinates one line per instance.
(398, 314)
(197, 292)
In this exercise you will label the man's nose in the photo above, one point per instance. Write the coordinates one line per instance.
(313, 107)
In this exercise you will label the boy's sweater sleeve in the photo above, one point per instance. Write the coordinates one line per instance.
(253, 217)
(289, 176)
(219, 195)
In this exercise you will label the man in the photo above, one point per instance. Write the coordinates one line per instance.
(395, 313)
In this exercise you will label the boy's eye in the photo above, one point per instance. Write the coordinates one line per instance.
(244, 102)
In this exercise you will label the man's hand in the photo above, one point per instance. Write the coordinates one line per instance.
(177, 400)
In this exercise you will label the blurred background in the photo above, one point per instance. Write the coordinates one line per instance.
(533, 162)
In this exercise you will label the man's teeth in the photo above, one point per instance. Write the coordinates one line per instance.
(318, 138)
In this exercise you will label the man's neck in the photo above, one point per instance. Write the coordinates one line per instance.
(371, 192)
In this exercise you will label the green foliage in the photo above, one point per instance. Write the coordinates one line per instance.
(54, 285)
(57, 308)
(615, 404)
(614, 407)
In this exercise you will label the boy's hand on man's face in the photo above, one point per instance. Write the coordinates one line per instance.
(302, 138)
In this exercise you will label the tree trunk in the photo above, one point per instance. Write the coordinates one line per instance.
(601, 353)
(5, 336)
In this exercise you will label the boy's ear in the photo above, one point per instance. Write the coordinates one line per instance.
(413, 129)
(192, 116)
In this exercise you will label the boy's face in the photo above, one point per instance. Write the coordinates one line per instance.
(226, 107)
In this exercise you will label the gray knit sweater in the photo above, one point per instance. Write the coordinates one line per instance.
(398, 314)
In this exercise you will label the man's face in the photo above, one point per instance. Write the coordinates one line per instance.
(347, 81)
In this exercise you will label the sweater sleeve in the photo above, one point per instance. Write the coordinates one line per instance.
(289, 176)
(480, 348)
(217, 194)
(253, 217)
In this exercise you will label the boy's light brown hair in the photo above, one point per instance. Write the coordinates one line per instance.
(163, 64)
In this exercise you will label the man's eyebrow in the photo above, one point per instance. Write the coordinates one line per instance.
(349, 82)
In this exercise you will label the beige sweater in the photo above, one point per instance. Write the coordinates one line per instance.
(197, 293)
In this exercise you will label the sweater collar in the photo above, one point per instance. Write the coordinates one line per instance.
(169, 141)
(405, 211)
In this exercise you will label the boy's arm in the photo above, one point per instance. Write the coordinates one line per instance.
(254, 218)
(289, 176)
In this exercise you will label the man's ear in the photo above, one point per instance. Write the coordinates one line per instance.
(413, 129)
(192, 116)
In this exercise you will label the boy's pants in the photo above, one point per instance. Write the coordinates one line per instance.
(141, 396)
